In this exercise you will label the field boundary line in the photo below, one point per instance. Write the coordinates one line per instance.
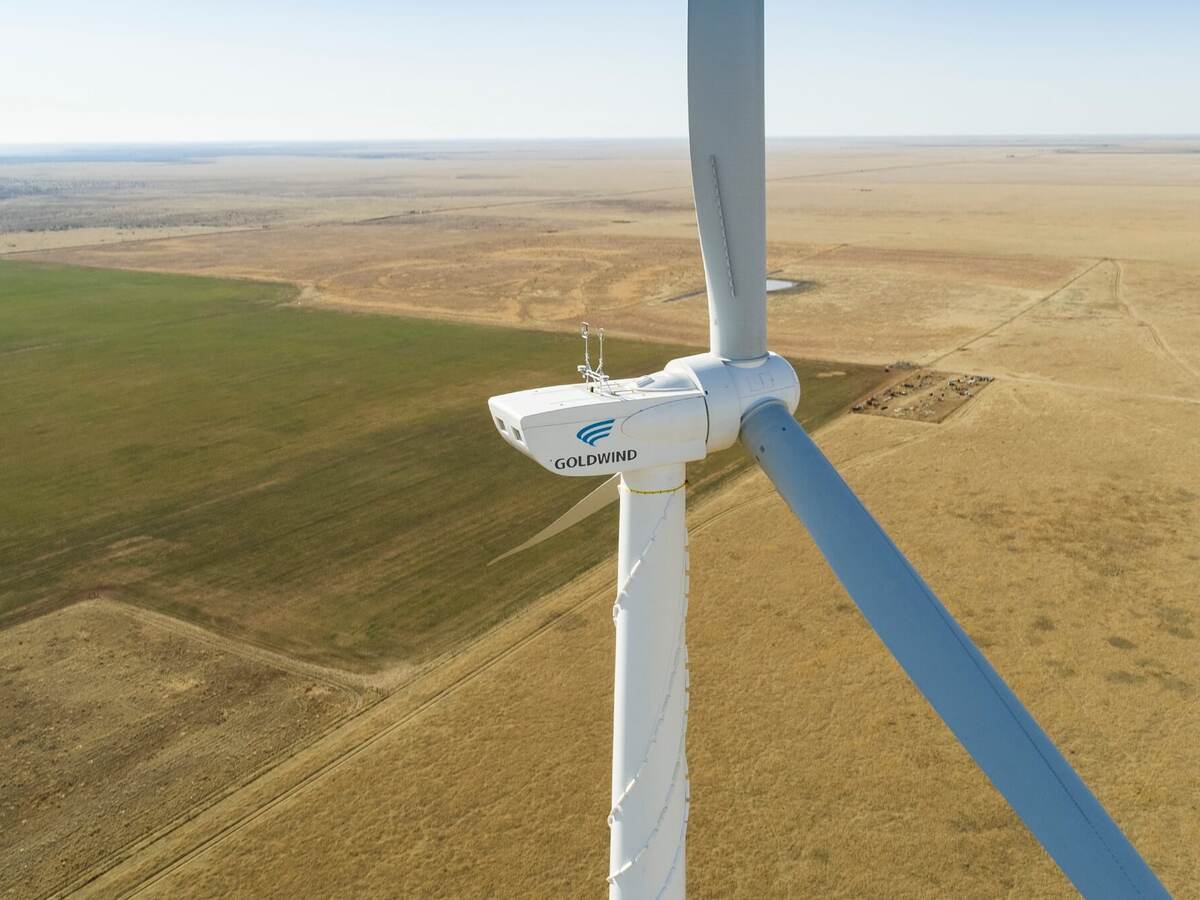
(1027, 308)
(344, 681)
(361, 698)
(346, 755)
(1097, 389)
(374, 735)
(393, 682)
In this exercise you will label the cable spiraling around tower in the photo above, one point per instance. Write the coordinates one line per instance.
(676, 678)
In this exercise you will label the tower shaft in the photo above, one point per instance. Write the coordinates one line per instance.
(648, 821)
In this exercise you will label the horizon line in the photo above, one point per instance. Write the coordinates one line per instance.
(168, 142)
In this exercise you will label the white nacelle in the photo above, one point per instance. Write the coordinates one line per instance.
(583, 429)
(678, 415)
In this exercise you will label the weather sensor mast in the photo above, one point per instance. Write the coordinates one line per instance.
(594, 378)
(643, 431)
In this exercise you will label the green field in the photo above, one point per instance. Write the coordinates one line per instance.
(323, 483)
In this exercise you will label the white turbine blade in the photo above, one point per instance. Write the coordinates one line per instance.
(984, 714)
(725, 128)
(601, 497)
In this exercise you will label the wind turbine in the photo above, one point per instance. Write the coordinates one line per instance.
(643, 431)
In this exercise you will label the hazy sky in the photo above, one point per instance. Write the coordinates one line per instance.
(127, 70)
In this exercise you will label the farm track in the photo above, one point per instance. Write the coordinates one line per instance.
(1158, 343)
(356, 688)
(108, 881)
(1162, 347)
(347, 683)
(1024, 310)
(105, 878)
(1097, 389)
(208, 824)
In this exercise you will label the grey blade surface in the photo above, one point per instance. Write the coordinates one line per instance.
(960, 684)
(607, 493)
(725, 133)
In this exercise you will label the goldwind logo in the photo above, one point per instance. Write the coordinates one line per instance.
(597, 431)
(594, 459)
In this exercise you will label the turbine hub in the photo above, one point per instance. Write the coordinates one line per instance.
(733, 388)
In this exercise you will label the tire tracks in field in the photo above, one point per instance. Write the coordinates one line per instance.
(362, 696)
(332, 758)
(1096, 389)
(1163, 348)
(1024, 310)
(163, 518)
(344, 755)
(1160, 344)
(340, 757)
(344, 682)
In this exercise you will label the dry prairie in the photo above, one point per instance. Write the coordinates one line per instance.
(140, 720)
(816, 769)
(1057, 515)
(202, 452)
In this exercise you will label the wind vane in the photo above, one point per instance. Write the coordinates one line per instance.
(595, 379)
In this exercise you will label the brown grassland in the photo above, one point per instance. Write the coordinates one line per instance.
(142, 718)
(1057, 515)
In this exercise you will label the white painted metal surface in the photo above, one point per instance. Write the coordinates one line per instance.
(725, 131)
(579, 429)
(652, 426)
(648, 819)
(733, 388)
(954, 676)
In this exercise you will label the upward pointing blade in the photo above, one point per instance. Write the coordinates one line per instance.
(608, 492)
(725, 131)
(960, 684)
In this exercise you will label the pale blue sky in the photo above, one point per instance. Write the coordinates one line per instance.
(130, 70)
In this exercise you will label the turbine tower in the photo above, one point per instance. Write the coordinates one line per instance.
(643, 432)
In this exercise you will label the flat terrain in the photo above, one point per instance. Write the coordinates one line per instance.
(816, 769)
(1057, 513)
(300, 480)
(908, 251)
(324, 484)
(116, 721)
